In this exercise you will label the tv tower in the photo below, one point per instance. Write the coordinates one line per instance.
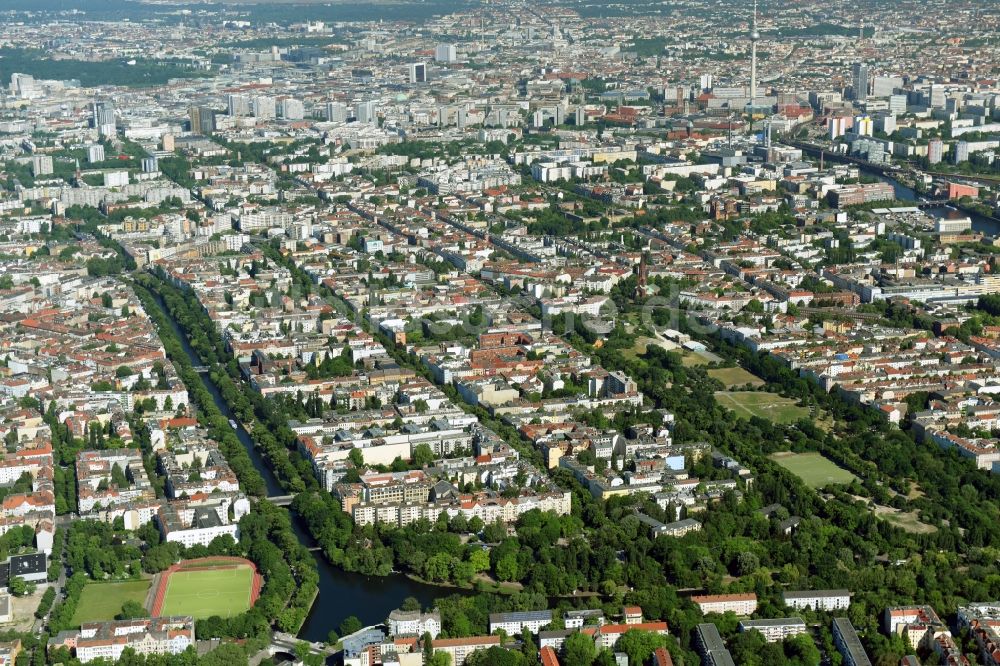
(754, 37)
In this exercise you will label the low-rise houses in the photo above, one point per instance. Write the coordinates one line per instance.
(675, 529)
(576, 619)
(29, 567)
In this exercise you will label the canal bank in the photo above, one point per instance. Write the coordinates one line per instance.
(981, 223)
(341, 594)
(904, 193)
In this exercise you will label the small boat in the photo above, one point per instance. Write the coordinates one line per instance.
(232, 424)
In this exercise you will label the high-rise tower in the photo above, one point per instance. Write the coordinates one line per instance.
(859, 84)
(103, 119)
(754, 37)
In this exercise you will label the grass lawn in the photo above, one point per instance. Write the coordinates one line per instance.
(102, 601)
(768, 406)
(908, 521)
(637, 349)
(204, 593)
(691, 359)
(643, 342)
(813, 468)
(737, 376)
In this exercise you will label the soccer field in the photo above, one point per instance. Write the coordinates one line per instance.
(813, 468)
(207, 592)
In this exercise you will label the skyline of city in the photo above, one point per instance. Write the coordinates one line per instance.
(496, 333)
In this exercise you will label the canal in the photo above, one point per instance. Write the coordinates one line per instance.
(980, 223)
(904, 193)
(341, 593)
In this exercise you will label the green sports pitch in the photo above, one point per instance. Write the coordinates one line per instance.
(102, 601)
(203, 593)
(815, 469)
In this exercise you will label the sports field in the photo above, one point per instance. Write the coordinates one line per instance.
(768, 406)
(813, 468)
(203, 593)
(737, 376)
(102, 601)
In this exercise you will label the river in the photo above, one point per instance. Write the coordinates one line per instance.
(341, 593)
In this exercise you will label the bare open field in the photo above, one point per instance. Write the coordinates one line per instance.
(909, 521)
(642, 342)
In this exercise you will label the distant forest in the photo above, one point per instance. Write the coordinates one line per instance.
(108, 72)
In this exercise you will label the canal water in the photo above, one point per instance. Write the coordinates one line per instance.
(341, 593)
(904, 193)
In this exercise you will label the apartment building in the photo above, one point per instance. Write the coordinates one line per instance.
(848, 644)
(514, 623)
(9, 651)
(607, 635)
(108, 640)
(460, 648)
(488, 506)
(202, 518)
(776, 629)
(918, 624)
(853, 195)
(661, 657)
(825, 600)
(548, 656)
(556, 638)
(983, 621)
(711, 647)
(98, 482)
(13, 465)
(741, 604)
(197, 468)
(389, 488)
(414, 623)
